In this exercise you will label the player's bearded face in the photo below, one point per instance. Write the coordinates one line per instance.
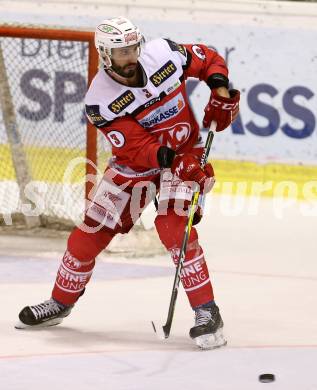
(125, 60)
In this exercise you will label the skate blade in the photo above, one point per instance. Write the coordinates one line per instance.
(211, 341)
(46, 324)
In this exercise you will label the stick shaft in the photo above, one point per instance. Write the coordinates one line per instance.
(182, 253)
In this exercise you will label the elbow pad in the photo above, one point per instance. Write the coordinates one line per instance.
(217, 80)
(165, 156)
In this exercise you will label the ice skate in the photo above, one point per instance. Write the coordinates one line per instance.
(45, 314)
(207, 332)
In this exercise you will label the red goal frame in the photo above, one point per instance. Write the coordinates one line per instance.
(67, 35)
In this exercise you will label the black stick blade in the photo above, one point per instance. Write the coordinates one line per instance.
(167, 330)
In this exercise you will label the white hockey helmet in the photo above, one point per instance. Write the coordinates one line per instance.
(116, 32)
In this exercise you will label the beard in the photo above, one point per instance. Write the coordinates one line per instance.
(126, 71)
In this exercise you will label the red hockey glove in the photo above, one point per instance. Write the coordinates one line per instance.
(187, 168)
(221, 109)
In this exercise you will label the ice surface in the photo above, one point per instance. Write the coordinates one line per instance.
(264, 272)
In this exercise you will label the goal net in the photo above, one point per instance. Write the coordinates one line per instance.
(50, 153)
(43, 79)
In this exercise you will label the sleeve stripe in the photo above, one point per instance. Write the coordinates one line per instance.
(188, 61)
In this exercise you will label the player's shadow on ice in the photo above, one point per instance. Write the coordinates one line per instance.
(95, 340)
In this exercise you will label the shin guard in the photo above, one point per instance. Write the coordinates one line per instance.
(77, 264)
(194, 275)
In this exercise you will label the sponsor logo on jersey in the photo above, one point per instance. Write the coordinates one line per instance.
(163, 113)
(152, 101)
(166, 71)
(174, 136)
(121, 102)
(176, 47)
(199, 52)
(94, 116)
(173, 87)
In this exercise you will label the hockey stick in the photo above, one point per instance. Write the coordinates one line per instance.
(167, 327)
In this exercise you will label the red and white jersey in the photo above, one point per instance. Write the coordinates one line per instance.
(137, 121)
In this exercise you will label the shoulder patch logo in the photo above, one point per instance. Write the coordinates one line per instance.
(163, 73)
(199, 52)
(116, 138)
(176, 47)
(121, 102)
(94, 116)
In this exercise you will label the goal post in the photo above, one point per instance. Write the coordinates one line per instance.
(44, 76)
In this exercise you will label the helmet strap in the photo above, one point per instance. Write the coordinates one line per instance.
(107, 61)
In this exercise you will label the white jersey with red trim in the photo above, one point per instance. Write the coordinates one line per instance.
(138, 120)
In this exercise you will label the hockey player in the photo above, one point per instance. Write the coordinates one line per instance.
(138, 101)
